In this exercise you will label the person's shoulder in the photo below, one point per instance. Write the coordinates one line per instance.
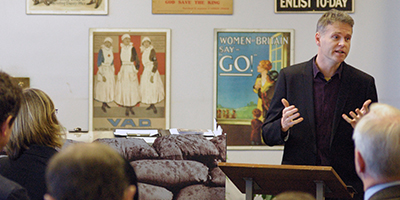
(4, 163)
(3, 158)
(356, 73)
(11, 190)
(298, 68)
(40, 151)
(391, 192)
(7, 184)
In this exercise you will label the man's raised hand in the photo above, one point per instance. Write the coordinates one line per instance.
(290, 116)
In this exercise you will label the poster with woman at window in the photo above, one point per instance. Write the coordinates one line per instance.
(247, 64)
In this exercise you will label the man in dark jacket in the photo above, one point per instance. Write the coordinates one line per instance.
(311, 100)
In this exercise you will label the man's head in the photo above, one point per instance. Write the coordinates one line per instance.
(377, 140)
(88, 171)
(10, 101)
(333, 37)
(332, 16)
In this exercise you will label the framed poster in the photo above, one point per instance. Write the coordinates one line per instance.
(129, 79)
(247, 64)
(67, 7)
(219, 7)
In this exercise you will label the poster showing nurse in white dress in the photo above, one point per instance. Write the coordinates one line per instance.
(129, 79)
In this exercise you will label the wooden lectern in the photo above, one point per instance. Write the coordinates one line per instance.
(274, 179)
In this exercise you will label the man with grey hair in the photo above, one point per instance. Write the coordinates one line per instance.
(377, 153)
(308, 113)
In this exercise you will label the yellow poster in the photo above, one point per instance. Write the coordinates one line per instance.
(221, 7)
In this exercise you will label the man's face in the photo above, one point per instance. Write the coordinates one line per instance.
(334, 43)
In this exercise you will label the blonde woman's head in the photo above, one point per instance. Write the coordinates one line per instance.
(36, 123)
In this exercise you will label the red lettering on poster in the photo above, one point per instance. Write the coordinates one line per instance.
(184, 2)
(214, 2)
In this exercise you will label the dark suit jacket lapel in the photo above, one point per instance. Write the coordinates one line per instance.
(308, 80)
(344, 91)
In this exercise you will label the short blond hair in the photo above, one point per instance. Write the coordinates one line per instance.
(331, 17)
(36, 123)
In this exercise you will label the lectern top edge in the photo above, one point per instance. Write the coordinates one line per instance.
(274, 179)
(297, 167)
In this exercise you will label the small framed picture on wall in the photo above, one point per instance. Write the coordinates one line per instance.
(22, 81)
(67, 7)
(247, 63)
(129, 79)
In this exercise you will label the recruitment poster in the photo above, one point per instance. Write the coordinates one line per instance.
(129, 79)
(247, 65)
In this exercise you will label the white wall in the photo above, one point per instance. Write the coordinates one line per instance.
(53, 50)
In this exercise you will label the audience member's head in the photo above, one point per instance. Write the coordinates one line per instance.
(36, 123)
(377, 140)
(88, 171)
(294, 195)
(10, 101)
